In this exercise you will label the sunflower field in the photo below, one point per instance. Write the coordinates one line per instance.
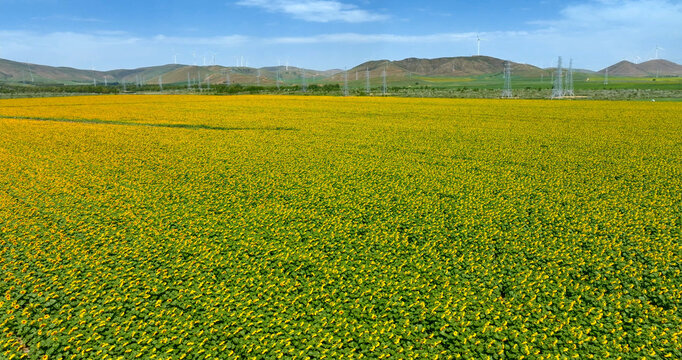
(286, 227)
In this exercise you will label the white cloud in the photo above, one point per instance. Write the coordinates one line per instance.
(68, 18)
(355, 38)
(602, 14)
(604, 31)
(219, 41)
(642, 15)
(109, 49)
(316, 10)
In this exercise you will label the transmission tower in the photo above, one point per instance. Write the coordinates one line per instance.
(345, 83)
(558, 89)
(278, 78)
(507, 91)
(367, 87)
(304, 81)
(569, 79)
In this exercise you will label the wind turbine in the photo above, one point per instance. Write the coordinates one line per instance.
(657, 49)
(478, 44)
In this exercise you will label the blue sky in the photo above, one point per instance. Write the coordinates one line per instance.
(325, 34)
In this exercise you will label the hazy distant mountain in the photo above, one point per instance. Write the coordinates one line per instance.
(17, 72)
(649, 68)
(12, 71)
(662, 67)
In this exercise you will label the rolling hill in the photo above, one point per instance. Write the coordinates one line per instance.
(648, 68)
(662, 67)
(446, 67)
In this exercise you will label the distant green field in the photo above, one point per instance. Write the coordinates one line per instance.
(586, 85)
(581, 81)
